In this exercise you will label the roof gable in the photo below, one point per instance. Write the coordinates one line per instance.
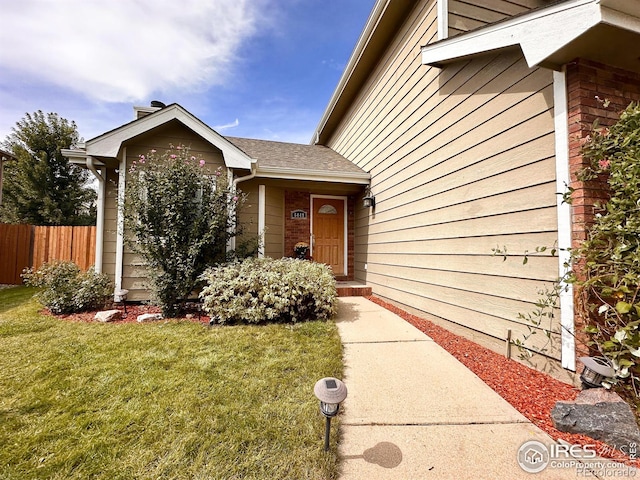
(108, 144)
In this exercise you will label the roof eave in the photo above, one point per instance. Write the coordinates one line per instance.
(543, 35)
(357, 178)
(384, 19)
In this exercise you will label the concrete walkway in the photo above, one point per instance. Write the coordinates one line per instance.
(414, 412)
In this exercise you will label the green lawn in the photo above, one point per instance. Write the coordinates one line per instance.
(174, 399)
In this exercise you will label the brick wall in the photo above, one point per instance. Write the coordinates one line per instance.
(299, 230)
(590, 84)
(296, 229)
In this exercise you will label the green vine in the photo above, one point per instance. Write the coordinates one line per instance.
(607, 269)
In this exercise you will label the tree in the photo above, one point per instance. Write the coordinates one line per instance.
(41, 187)
(179, 218)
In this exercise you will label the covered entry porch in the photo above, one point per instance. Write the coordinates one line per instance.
(305, 196)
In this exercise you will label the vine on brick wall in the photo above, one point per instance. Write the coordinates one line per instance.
(607, 265)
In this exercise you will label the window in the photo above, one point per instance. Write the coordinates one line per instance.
(328, 210)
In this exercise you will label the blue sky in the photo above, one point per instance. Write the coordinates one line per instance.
(249, 68)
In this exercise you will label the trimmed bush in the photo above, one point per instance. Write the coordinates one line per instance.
(263, 290)
(67, 289)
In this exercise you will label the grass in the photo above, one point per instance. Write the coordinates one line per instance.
(166, 400)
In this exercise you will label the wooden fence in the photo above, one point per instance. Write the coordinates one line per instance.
(23, 246)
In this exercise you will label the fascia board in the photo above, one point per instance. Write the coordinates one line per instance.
(74, 154)
(108, 145)
(78, 156)
(314, 175)
(543, 37)
(539, 34)
(623, 20)
(372, 22)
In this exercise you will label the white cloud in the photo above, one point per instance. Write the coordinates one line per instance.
(125, 50)
(226, 126)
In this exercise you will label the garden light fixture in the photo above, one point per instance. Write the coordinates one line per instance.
(331, 392)
(596, 370)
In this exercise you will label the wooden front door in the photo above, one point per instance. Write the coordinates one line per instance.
(328, 233)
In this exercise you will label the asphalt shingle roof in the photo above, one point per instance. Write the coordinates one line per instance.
(294, 155)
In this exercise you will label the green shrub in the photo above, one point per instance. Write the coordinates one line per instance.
(67, 289)
(179, 217)
(260, 290)
(609, 260)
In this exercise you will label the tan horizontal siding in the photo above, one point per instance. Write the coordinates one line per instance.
(478, 322)
(465, 15)
(462, 162)
(110, 224)
(515, 245)
(536, 269)
(519, 222)
(398, 75)
(501, 286)
(274, 222)
(465, 115)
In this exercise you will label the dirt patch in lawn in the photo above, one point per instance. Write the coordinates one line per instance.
(532, 393)
(131, 314)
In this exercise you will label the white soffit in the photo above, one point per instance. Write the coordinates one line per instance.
(539, 34)
(108, 144)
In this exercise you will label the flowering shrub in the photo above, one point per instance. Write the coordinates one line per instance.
(179, 217)
(260, 290)
(67, 289)
(609, 260)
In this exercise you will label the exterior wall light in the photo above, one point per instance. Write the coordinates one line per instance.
(596, 370)
(331, 392)
(369, 201)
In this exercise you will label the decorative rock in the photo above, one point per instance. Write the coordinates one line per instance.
(108, 316)
(599, 414)
(149, 317)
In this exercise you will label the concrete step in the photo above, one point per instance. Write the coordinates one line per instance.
(352, 289)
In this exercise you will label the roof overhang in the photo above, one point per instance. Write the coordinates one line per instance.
(282, 173)
(6, 156)
(383, 22)
(606, 31)
(108, 145)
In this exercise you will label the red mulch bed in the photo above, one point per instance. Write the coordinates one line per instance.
(529, 391)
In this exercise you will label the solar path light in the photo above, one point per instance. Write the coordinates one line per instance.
(596, 370)
(331, 392)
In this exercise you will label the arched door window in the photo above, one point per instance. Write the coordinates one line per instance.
(328, 210)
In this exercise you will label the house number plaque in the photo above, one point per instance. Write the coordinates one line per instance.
(298, 214)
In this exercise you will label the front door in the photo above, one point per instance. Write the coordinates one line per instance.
(328, 233)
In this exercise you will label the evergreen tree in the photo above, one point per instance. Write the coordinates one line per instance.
(41, 187)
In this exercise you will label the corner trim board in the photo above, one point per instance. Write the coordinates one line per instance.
(561, 120)
(122, 170)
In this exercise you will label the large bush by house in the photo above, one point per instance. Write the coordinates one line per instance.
(261, 290)
(67, 289)
(179, 217)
